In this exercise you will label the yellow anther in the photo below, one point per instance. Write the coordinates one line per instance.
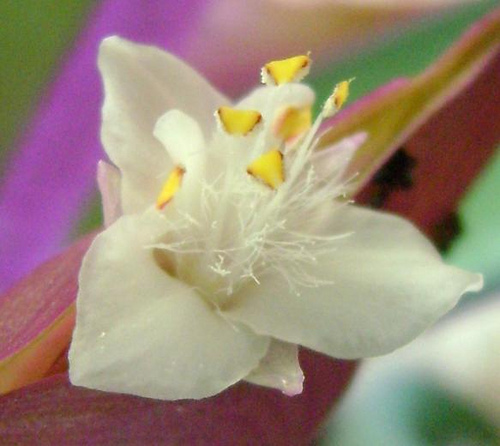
(268, 168)
(280, 72)
(170, 187)
(293, 122)
(238, 122)
(337, 99)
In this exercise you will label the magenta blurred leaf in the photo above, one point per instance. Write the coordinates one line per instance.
(53, 411)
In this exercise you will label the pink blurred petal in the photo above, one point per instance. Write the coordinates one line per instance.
(37, 319)
(108, 180)
(331, 161)
(54, 412)
(411, 5)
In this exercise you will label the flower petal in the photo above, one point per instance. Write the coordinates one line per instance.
(141, 331)
(180, 134)
(108, 180)
(269, 99)
(388, 284)
(279, 369)
(333, 160)
(392, 113)
(141, 83)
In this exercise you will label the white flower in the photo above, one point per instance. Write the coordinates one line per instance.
(233, 240)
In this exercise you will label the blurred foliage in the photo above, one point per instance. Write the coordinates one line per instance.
(442, 419)
(34, 36)
(478, 246)
(404, 407)
(404, 53)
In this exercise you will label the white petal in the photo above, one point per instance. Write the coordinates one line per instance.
(280, 369)
(388, 284)
(332, 161)
(268, 100)
(108, 180)
(181, 135)
(143, 332)
(141, 83)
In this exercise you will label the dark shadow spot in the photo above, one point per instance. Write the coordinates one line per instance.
(447, 230)
(395, 174)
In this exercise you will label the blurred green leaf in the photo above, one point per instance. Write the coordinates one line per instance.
(34, 35)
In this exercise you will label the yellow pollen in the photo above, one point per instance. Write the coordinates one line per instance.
(238, 122)
(340, 93)
(268, 168)
(280, 72)
(170, 187)
(337, 99)
(293, 122)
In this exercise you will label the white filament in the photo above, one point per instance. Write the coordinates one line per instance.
(240, 229)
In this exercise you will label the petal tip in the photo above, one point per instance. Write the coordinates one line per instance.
(294, 387)
(477, 284)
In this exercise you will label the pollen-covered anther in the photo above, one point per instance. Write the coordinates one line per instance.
(268, 168)
(292, 122)
(170, 187)
(280, 72)
(238, 122)
(337, 99)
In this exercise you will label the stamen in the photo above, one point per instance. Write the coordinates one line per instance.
(280, 72)
(170, 187)
(237, 122)
(293, 122)
(335, 102)
(268, 168)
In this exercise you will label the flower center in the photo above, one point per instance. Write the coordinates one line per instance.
(258, 205)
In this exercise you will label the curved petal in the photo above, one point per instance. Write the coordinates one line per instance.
(108, 180)
(387, 284)
(279, 369)
(141, 83)
(180, 134)
(143, 332)
(333, 160)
